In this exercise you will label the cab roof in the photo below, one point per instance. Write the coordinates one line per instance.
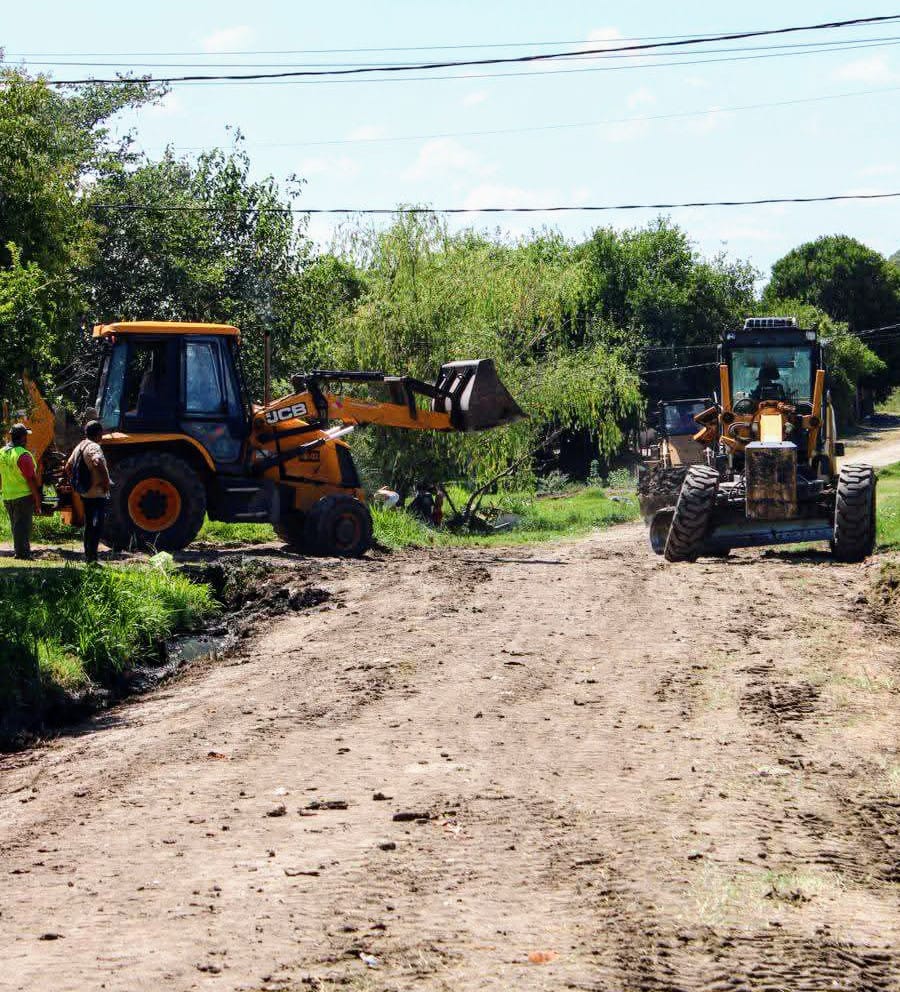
(163, 327)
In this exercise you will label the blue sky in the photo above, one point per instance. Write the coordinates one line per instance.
(824, 146)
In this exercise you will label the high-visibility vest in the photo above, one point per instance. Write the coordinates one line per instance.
(15, 485)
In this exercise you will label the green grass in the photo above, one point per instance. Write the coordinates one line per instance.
(47, 530)
(891, 404)
(889, 508)
(215, 532)
(569, 515)
(66, 627)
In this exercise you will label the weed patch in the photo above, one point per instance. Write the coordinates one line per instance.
(540, 519)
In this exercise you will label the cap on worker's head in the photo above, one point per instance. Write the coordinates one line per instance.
(18, 432)
(93, 428)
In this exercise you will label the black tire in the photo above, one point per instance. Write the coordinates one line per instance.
(123, 531)
(292, 530)
(854, 514)
(693, 514)
(339, 526)
(660, 525)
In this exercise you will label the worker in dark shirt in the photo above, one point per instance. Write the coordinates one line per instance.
(20, 491)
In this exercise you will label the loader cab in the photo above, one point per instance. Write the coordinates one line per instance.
(676, 417)
(171, 379)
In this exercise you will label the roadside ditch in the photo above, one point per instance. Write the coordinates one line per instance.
(249, 593)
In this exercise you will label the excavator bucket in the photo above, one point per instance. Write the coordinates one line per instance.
(473, 395)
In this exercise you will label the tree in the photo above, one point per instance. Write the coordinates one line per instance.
(841, 276)
(850, 282)
(198, 241)
(652, 285)
(53, 145)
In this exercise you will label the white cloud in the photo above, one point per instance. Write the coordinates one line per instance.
(882, 169)
(872, 69)
(623, 131)
(711, 121)
(643, 97)
(228, 39)
(366, 132)
(599, 37)
(498, 195)
(441, 156)
(474, 98)
(168, 106)
(341, 166)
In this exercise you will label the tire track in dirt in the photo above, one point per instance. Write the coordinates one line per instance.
(644, 776)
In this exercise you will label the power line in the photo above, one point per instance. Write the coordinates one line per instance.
(193, 208)
(351, 51)
(467, 77)
(497, 60)
(679, 368)
(580, 56)
(565, 126)
(877, 330)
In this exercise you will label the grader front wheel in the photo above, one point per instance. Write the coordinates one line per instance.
(158, 502)
(854, 514)
(693, 514)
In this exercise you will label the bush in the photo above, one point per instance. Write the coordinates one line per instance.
(70, 626)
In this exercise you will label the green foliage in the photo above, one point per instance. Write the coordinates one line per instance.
(220, 248)
(73, 625)
(841, 276)
(850, 282)
(650, 284)
(431, 297)
(52, 144)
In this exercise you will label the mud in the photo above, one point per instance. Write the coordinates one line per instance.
(568, 766)
(658, 488)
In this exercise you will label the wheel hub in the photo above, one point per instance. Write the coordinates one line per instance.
(154, 504)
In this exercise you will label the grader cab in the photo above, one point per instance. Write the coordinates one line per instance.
(775, 477)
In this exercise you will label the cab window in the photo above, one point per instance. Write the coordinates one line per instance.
(203, 387)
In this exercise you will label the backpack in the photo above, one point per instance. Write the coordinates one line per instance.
(82, 477)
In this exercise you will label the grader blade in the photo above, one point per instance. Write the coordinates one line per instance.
(472, 393)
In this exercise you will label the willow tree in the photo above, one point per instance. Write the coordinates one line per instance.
(430, 297)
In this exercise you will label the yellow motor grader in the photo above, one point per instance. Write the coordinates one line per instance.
(775, 478)
(183, 439)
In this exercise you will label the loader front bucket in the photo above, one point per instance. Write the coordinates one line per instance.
(474, 396)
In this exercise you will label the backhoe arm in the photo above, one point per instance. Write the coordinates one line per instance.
(467, 396)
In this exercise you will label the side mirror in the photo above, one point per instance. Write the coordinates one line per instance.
(839, 449)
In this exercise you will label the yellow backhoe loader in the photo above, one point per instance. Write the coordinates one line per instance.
(668, 452)
(183, 439)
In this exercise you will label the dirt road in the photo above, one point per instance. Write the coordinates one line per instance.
(572, 766)
(877, 443)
